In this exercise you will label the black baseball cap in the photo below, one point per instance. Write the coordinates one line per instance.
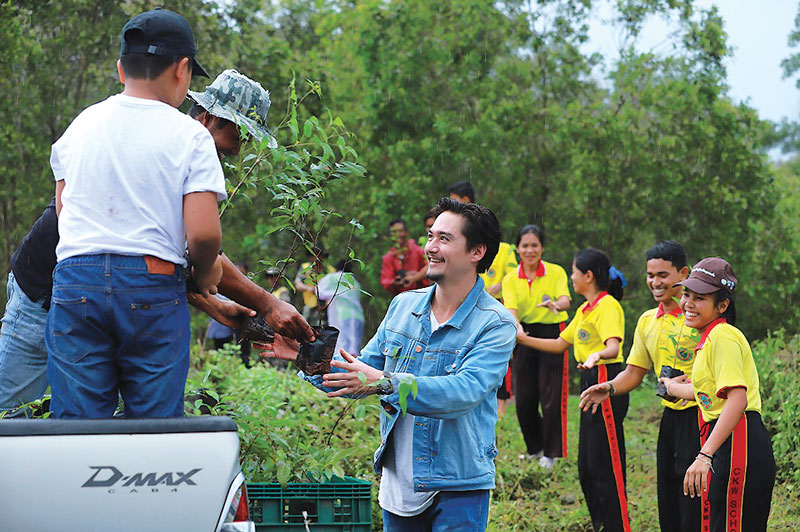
(161, 32)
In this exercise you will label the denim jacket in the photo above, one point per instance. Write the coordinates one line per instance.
(457, 370)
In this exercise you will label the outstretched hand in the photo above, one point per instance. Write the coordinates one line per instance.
(593, 396)
(357, 376)
(551, 305)
(228, 313)
(522, 335)
(285, 320)
(590, 361)
(282, 348)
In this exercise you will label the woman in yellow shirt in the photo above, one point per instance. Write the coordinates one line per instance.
(536, 293)
(737, 450)
(597, 332)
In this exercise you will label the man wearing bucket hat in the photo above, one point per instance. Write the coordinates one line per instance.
(734, 471)
(238, 100)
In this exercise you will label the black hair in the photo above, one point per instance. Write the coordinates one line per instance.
(344, 265)
(398, 221)
(196, 110)
(530, 229)
(146, 66)
(462, 188)
(730, 312)
(598, 263)
(669, 250)
(481, 226)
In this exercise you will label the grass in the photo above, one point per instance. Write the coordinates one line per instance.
(528, 498)
(531, 499)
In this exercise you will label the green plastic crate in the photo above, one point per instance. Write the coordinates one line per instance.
(341, 505)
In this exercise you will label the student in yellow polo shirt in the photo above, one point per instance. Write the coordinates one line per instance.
(663, 342)
(536, 293)
(737, 451)
(504, 263)
(597, 332)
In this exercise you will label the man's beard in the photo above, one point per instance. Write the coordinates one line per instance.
(434, 277)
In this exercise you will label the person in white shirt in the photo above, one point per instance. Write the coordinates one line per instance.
(137, 183)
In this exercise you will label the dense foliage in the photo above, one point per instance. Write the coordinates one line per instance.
(501, 94)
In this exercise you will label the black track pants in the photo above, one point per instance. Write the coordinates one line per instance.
(678, 445)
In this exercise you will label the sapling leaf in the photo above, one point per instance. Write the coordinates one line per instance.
(360, 412)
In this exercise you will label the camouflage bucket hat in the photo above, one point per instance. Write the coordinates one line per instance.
(237, 98)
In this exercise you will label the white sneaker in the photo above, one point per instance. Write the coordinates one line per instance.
(547, 462)
(530, 456)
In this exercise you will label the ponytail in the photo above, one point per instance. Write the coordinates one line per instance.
(607, 277)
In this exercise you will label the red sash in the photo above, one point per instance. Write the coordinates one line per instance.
(737, 476)
(613, 445)
(705, 507)
(564, 397)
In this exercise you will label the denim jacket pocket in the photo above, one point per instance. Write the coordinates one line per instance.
(394, 357)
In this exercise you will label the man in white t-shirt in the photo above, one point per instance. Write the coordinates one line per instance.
(137, 182)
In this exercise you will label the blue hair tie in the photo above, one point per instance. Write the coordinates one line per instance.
(614, 273)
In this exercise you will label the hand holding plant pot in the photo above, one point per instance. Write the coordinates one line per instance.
(282, 348)
(358, 377)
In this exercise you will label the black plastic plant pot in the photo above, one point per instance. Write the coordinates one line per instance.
(315, 357)
(256, 328)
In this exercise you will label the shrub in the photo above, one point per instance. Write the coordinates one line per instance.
(289, 431)
(778, 361)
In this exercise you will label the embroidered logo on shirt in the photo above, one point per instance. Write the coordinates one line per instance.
(683, 354)
(583, 335)
(704, 400)
(490, 273)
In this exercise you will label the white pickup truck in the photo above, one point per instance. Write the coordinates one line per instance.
(142, 475)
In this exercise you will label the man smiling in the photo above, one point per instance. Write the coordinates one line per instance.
(454, 340)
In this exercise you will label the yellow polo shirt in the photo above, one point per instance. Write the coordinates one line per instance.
(594, 323)
(523, 294)
(663, 339)
(724, 361)
(505, 261)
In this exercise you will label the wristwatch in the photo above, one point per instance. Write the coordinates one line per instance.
(384, 387)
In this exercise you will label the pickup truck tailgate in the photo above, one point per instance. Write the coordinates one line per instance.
(116, 474)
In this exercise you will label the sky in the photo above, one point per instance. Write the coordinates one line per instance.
(757, 32)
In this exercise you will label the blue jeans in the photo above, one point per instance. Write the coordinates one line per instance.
(113, 327)
(451, 511)
(23, 355)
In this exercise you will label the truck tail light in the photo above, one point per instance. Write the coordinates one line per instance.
(240, 503)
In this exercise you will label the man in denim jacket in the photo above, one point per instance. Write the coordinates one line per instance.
(454, 341)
